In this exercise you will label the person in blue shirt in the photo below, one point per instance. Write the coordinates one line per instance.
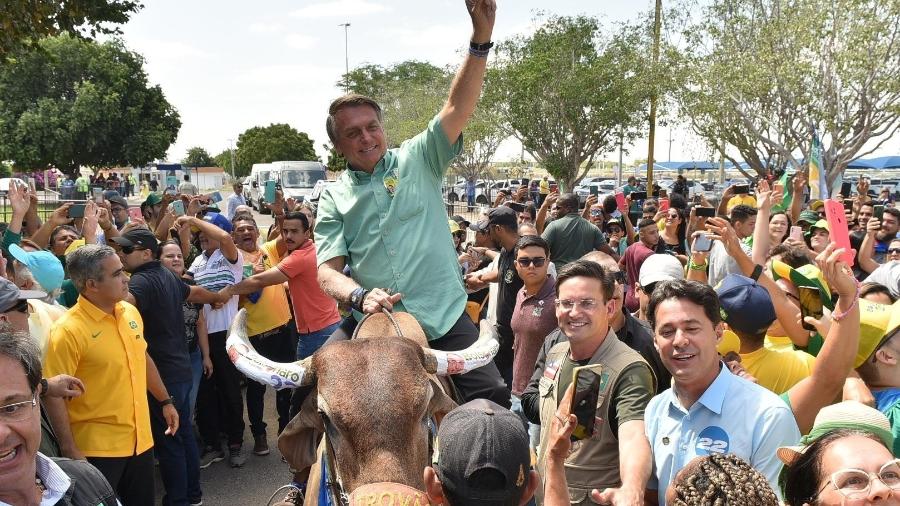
(708, 410)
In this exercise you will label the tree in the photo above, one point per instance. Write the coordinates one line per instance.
(336, 161)
(223, 160)
(278, 141)
(568, 92)
(198, 157)
(75, 103)
(25, 22)
(765, 74)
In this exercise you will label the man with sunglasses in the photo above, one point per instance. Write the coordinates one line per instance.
(14, 303)
(611, 466)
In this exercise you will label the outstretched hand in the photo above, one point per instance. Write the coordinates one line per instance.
(483, 14)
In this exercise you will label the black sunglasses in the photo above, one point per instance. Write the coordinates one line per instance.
(21, 306)
(893, 250)
(537, 261)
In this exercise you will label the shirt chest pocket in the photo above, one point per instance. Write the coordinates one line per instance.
(407, 206)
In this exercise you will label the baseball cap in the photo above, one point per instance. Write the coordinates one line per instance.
(808, 217)
(219, 221)
(10, 295)
(454, 226)
(843, 415)
(502, 216)
(819, 224)
(877, 322)
(118, 199)
(152, 199)
(44, 266)
(805, 275)
(815, 205)
(480, 226)
(660, 267)
(481, 435)
(463, 223)
(745, 305)
(140, 237)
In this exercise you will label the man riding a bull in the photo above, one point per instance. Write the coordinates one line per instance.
(385, 217)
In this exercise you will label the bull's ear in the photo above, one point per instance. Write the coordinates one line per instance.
(440, 403)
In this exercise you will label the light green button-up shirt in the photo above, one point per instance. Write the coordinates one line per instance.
(392, 228)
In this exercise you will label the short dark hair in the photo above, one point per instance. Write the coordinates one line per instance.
(698, 293)
(646, 222)
(187, 177)
(243, 216)
(742, 212)
(871, 287)
(800, 480)
(22, 348)
(568, 201)
(610, 204)
(166, 243)
(349, 100)
(529, 208)
(297, 215)
(795, 257)
(532, 240)
(587, 269)
(893, 211)
(867, 203)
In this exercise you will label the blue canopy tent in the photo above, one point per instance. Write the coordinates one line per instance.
(880, 163)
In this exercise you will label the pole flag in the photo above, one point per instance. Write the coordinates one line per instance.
(818, 186)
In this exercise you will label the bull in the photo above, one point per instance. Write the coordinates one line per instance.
(377, 395)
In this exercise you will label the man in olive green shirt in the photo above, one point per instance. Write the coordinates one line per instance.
(570, 236)
(386, 220)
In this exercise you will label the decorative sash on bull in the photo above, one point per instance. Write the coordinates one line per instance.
(818, 185)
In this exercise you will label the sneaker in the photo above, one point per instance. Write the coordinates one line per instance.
(211, 455)
(195, 502)
(294, 497)
(236, 456)
(260, 445)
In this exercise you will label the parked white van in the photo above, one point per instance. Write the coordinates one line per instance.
(298, 179)
(259, 174)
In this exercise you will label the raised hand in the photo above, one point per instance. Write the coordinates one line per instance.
(483, 14)
(18, 198)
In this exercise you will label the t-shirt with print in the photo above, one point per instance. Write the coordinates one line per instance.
(214, 273)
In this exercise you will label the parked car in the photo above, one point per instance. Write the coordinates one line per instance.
(485, 191)
(603, 187)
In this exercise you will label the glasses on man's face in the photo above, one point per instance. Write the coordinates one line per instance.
(526, 261)
(583, 304)
(856, 483)
(131, 249)
(20, 307)
(18, 411)
(894, 251)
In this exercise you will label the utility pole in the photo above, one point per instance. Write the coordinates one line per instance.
(346, 58)
(653, 97)
(231, 149)
(621, 168)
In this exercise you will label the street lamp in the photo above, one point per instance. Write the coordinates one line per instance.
(346, 58)
(231, 149)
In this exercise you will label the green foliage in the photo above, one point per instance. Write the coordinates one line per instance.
(278, 141)
(763, 73)
(410, 94)
(568, 91)
(223, 160)
(198, 157)
(25, 22)
(336, 161)
(75, 103)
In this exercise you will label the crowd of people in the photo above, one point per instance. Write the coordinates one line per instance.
(653, 348)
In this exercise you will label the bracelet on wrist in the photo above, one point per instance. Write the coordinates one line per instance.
(697, 267)
(836, 316)
(166, 402)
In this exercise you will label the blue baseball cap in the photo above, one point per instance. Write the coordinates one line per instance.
(745, 305)
(44, 266)
(219, 221)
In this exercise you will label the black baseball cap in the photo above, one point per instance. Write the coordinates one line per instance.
(502, 216)
(138, 237)
(483, 436)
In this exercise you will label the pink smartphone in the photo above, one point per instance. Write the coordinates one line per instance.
(134, 213)
(663, 205)
(839, 233)
(797, 233)
(620, 202)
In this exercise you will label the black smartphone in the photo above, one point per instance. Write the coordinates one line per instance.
(810, 305)
(848, 204)
(845, 189)
(594, 189)
(708, 212)
(702, 243)
(741, 188)
(587, 381)
(76, 211)
(638, 196)
(879, 212)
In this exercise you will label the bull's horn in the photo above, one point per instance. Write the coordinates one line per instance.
(258, 367)
(481, 352)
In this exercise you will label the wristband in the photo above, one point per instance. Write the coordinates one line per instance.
(166, 402)
(835, 316)
(697, 267)
(757, 271)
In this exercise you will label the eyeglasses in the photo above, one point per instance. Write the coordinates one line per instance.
(893, 250)
(21, 306)
(856, 483)
(131, 249)
(526, 261)
(18, 411)
(583, 304)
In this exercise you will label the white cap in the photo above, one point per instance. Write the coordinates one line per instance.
(660, 267)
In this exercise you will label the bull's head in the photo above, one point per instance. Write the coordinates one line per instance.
(375, 397)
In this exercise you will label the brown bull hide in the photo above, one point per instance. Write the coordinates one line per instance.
(376, 394)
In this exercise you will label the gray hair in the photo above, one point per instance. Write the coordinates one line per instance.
(24, 276)
(86, 263)
(22, 348)
(350, 100)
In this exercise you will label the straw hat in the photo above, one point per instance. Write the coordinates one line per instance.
(843, 415)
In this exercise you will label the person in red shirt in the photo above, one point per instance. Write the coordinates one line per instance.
(648, 244)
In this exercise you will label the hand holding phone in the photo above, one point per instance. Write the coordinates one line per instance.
(620, 202)
(588, 382)
(705, 212)
(702, 243)
(134, 214)
(663, 205)
(838, 231)
(810, 305)
(797, 233)
(178, 208)
(638, 196)
(76, 211)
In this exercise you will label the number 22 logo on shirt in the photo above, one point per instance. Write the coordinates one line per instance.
(712, 440)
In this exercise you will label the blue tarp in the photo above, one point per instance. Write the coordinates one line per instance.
(879, 163)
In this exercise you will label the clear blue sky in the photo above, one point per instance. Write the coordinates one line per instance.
(228, 65)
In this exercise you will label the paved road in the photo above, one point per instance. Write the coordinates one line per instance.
(252, 484)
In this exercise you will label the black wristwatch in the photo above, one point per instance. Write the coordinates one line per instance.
(357, 297)
(166, 402)
(483, 46)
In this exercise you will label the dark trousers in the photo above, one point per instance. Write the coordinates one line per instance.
(131, 477)
(279, 348)
(179, 459)
(482, 383)
(219, 404)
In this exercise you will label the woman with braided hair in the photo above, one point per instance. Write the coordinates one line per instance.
(720, 480)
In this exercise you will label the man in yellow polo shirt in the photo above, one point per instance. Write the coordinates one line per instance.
(100, 340)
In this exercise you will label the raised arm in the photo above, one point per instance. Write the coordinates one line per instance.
(761, 237)
(466, 87)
